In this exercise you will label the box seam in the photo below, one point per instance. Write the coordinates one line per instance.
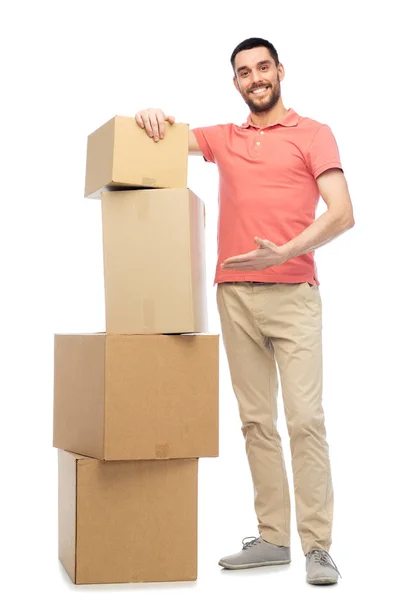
(104, 398)
(76, 521)
(113, 152)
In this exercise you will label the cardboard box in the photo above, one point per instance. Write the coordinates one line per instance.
(127, 521)
(135, 397)
(120, 154)
(154, 262)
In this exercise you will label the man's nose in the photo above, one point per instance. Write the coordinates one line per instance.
(256, 78)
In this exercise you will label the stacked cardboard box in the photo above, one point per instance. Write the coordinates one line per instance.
(135, 407)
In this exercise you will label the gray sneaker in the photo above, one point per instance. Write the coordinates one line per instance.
(256, 553)
(320, 568)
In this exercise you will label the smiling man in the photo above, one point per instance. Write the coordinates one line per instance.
(272, 171)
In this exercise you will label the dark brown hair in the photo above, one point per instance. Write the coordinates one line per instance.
(255, 43)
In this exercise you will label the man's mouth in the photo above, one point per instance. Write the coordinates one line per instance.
(260, 90)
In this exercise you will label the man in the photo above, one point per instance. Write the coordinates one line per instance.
(272, 171)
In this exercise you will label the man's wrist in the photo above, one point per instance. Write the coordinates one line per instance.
(287, 252)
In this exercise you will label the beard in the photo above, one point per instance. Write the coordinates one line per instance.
(264, 104)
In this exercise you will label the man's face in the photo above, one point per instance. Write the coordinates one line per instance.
(255, 70)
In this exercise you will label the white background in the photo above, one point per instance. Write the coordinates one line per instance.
(67, 68)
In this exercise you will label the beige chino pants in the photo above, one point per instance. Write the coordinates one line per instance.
(273, 326)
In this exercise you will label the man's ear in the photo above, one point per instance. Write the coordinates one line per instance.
(236, 83)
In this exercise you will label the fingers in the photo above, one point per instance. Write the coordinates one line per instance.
(152, 121)
(260, 242)
(240, 258)
(159, 125)
(239, 266)
(264, 243)
(143, 120)
(139, 120)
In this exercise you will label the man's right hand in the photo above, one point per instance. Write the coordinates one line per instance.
(152, 120)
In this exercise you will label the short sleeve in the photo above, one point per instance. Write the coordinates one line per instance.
(209, 140)
(323, 152)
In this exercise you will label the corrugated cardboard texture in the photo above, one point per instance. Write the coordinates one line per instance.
(136, 520)
(161, 396)
(121, 155)
(154, 262)
(198, 266)
(99, 158)
(67, 511)
(147, 397)
(79, 391)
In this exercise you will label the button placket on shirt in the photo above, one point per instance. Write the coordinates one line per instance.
(257, 144)
(259, 141)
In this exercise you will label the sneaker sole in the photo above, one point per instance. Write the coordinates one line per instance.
(321, 581)
(254, 565)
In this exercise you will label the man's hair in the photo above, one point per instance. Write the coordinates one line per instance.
(255, 43)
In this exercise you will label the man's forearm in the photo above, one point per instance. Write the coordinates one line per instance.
(324, 229)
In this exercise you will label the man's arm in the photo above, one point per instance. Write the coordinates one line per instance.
(193, 147)
(337, 219)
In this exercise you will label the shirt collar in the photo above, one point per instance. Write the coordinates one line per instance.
(290, 119)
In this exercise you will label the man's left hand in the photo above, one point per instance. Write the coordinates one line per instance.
(267, 255)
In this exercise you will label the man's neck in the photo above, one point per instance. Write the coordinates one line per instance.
(269, 118)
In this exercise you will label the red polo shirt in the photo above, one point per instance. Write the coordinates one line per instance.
(267, 188)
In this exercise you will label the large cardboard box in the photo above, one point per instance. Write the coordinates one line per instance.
(121, 155)
(154, 261)
(127, 521)
(135, 397)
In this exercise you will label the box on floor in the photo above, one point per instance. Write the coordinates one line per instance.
(127, 521)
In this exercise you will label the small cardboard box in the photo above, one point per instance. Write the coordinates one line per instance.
(120, 154)
(127, 521)
(154, 262)
(136, 397)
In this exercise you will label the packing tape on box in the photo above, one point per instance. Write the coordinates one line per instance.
(149, 182)
(162, 450)
(149, 314)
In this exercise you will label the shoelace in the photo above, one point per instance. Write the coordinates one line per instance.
(253, 541)
(324, 558)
